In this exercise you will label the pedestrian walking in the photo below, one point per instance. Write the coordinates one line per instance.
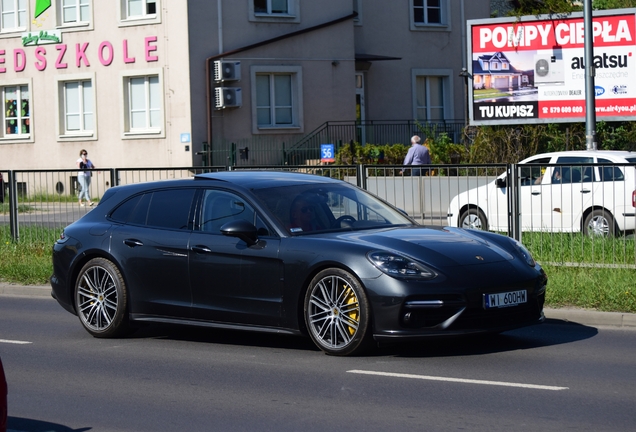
(84, 177)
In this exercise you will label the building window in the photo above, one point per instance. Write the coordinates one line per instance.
(13, 15)
(427, 11)
(430, 14)
(78, 107)
(271, 7)
(75, 11)
(274, 100)
(274, 10)
(143, 105)
(429, 98)
(141, 8)
(277, 98)
(17, 112)
(139, 12)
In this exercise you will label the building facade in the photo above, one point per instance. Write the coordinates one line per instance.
(148, 83)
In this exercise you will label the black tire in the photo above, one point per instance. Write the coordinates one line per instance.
(337, 313)
(473, 218)
(101, 299)
(599, 223)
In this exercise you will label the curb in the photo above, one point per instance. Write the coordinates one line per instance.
(570, 315)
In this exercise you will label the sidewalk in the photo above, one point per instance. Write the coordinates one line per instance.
(579, 316)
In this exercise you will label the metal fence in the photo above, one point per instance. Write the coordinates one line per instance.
(305, 150)
(38, 204)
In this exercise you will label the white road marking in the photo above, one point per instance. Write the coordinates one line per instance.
(14, 342)
(459, 380)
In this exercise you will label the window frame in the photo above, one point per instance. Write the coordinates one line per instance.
(292, 15)
(126, 20)
(78, 22)
(297, 125)
(63, 134)
(28, 137)
(445, 18)
(16, 12)
(127, 132)
(448, 107)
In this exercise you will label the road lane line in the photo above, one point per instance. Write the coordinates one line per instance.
(459, 380)
(14, 342)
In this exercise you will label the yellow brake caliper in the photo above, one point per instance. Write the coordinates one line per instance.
(350, 298)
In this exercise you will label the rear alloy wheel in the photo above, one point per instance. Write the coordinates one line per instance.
(599, 223)
(101, 300)
(473, 219)
(337, 313)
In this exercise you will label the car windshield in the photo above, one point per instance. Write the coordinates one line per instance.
(328, 206)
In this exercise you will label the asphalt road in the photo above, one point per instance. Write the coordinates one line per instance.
(555, 376)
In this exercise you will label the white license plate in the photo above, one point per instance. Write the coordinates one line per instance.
(499, 300)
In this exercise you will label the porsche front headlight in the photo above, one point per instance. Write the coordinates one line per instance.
(525, 253)
(399, 266)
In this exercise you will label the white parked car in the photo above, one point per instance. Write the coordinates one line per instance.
(587, 191)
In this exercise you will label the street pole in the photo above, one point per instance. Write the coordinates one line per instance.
(590, 93)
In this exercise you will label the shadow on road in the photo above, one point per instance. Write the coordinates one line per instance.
(552, 332)
(18, 424)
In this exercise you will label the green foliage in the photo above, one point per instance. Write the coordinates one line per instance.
(600, 288)
(27, 262)
(612, 4)
(546, 7)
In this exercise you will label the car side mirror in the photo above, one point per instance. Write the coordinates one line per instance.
(501, 182)
(242, 229)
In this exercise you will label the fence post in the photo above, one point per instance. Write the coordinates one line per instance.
(361, 177)
(514, 230)
(13, 207)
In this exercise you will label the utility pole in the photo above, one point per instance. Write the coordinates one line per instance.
(590, 93)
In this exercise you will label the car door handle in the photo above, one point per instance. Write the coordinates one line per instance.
(585, 191)
(535, 193)
(133, 243)
(201, 249)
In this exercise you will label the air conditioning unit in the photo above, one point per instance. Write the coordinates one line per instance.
(227, 97)
(548, 69)
(227, 71)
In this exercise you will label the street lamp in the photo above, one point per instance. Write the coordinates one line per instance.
(465, 74)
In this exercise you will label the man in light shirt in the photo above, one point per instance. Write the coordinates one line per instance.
(417, 155)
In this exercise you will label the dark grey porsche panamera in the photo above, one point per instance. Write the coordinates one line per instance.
(287, 253)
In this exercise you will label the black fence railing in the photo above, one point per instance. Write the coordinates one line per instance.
(305, 150)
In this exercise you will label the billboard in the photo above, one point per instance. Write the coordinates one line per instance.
(532, 70)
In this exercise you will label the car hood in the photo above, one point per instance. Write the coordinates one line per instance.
(441, 247)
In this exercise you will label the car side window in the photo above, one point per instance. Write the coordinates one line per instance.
(220, 207)
(533, 175)
(170, 208)
(572, 173)
(608, 172)
(163, 209)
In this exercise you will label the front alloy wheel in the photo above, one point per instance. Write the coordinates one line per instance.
(100, 299)
(599, 223)
(337, 313)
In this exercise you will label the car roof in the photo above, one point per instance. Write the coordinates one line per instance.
(264, 179)
(616, 155)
